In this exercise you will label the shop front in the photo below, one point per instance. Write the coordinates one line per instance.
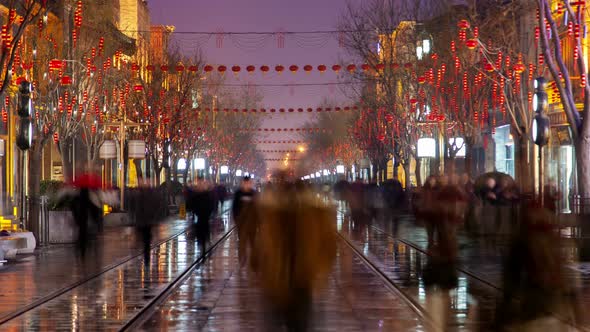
(560, 161)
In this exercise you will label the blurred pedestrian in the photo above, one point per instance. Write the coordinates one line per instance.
(242, 205)
(202, 201)
(290, 214)
(83, 201)
(424, 208)
(146, 212)
(534, 282)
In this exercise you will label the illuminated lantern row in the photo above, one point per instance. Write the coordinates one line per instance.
(310, 130)
(283, 110)
(280, 68)
(279, 142)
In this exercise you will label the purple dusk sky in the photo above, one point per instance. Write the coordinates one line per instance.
(264, 15)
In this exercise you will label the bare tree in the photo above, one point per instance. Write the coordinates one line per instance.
(564, 75)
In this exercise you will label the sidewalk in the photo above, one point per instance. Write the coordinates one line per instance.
(33, 277)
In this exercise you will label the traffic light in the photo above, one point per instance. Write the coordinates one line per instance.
(25, 129)
(24, 105)
(25, 134)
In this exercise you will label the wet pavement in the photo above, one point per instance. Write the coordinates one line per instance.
(471, 304)
(105, 303)
(222, 297)
(482, 256)
(50, 269)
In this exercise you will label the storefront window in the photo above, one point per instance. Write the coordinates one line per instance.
(560, 163)
(504, 150)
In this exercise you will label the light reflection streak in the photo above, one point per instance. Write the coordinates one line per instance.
(421, 290)
(74, 313)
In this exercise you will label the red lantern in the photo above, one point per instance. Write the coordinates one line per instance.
(222, 69)
(321, 68)
(300, 110)
(379, 67)
(272, 110)
(293, 69)
(351, 68)
(421, 80)
(279, 69)
(66, 80)
(381, 137)
(236, 69)
(55, 137)
(164, 68)
(336, 68)
(489, 67)
(150, 67)
(138, 88)
(309, 110)
(19, 80)
(365, 67)
(56, 64)
(282, 110)
(408, 65)
(308, 68)
(389, 118)
(250, 69)
(208, 69)
(264, 69)
(291, 110)
(193, 68)
(471, 44)
(463, 24)
(519, 68)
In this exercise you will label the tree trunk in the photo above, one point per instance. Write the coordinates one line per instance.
(523, 169)
(450, 165)
(35, 160)
(65, 148)
(137, 163)
(174, 169)
(418, 173)
(185, 174)
(148, 167)
(469, 155)
(407, 175)
(583, 164)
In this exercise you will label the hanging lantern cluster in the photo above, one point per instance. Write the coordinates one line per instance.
(77, 22)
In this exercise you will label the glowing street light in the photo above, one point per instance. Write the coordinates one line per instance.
(340, 169)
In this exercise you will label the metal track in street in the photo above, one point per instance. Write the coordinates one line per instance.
(390, 285)
(56, 294)
(147, 310)
(468, 273)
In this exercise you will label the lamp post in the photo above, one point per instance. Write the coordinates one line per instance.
(540, 126)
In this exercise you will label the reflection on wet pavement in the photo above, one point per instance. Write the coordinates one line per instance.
(106, 302)
(222, 297)
(57, 267)
(472, 303)
(482, 256)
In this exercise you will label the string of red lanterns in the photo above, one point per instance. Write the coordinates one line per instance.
(310, 130)
(286, 110)
(279, 142)
(250, 69)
